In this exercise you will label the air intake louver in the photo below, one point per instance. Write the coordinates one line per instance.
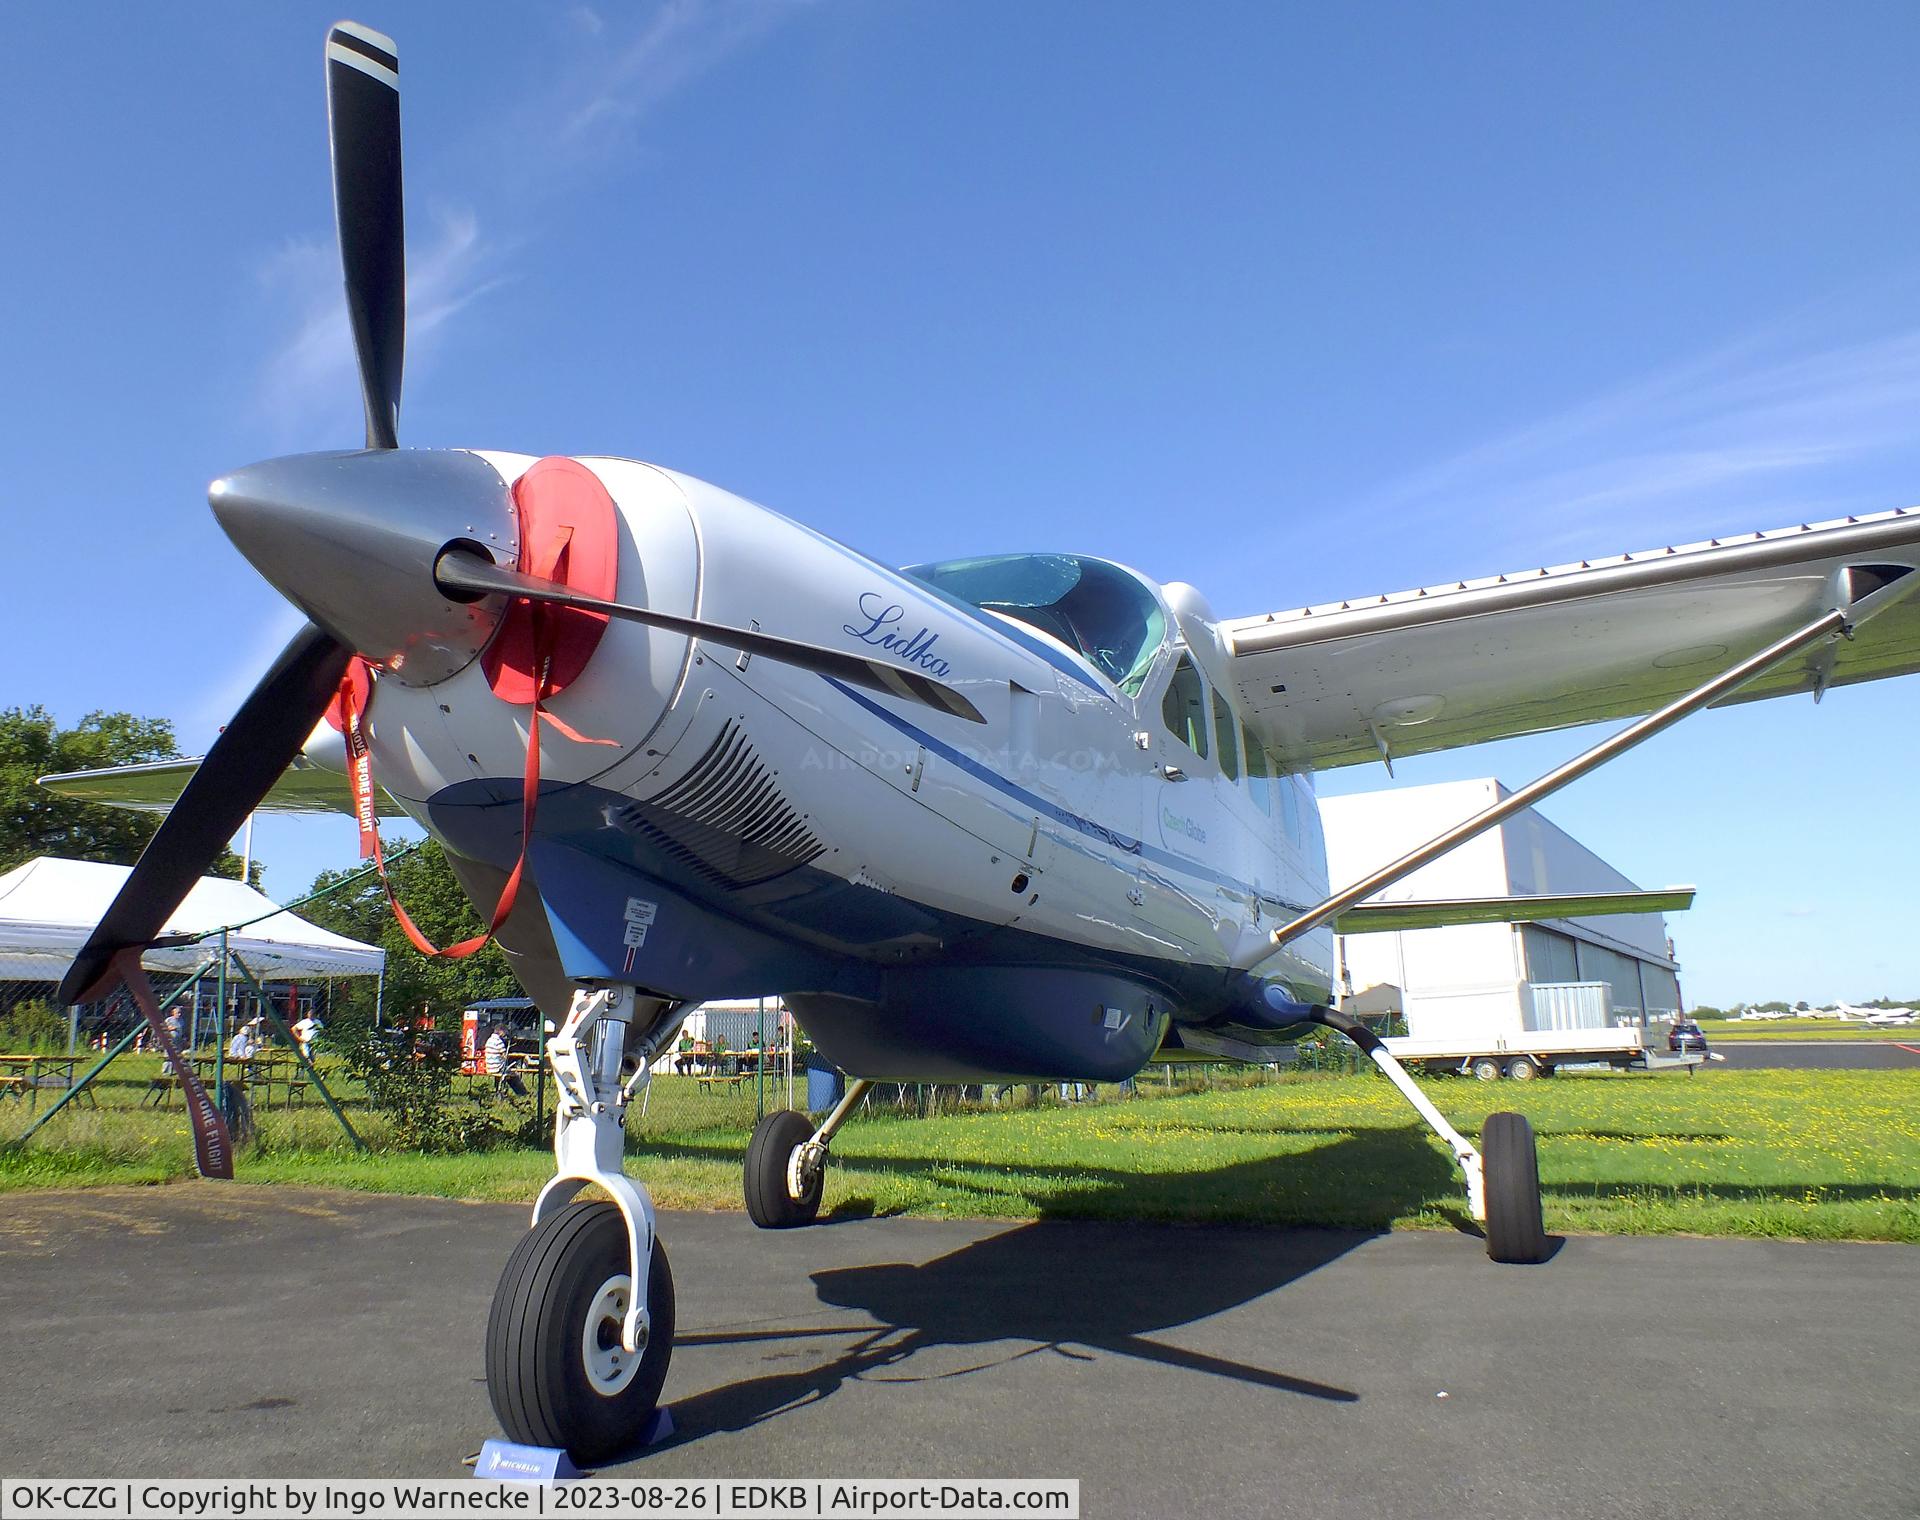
(725, 818)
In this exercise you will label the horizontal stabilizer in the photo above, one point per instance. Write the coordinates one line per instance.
(1438, 912)
(303, 787)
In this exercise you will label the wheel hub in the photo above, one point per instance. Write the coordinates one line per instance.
(803, 1166)
(610, 1366)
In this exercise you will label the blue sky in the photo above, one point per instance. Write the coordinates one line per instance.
(1293, 302)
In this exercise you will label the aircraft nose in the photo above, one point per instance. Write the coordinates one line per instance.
(351, 539)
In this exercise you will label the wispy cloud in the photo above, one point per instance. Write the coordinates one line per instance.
(1776, 422)
(682, 41)
(597, 103)
(311, 373)
(232, 678)
(608, 76)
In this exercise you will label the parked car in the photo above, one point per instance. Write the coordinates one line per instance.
(1686, 1038)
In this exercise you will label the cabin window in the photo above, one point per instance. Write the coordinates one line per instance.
(1259, 772)
(1227, 746)
(1184, 707)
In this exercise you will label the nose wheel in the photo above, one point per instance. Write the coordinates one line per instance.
(557, 1373)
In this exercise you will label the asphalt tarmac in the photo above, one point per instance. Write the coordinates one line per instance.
(228, 1330)
(1822, 1055)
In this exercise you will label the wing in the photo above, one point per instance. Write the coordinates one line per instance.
(303, 787)
(1438, 912)
(1416, 671)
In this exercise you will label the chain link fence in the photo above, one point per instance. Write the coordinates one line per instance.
(297, 1053)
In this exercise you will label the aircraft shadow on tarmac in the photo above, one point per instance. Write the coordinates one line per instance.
(1072, 1289)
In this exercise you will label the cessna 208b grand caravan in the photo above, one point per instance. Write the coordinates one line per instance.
(1019, 816)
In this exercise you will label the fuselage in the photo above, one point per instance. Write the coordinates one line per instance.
(1044, 893)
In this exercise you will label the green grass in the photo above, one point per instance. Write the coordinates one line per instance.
(1736, 1030)
(1811, 1154)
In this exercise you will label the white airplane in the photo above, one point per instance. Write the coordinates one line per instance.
(1018, 816)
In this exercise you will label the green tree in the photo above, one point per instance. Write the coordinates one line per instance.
(428, 890)
(33, 821)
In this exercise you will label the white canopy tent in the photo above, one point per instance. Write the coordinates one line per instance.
(49, 906)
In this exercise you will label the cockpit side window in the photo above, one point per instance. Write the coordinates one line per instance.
(1184, 707)
(1106, 614)
(1225, 745)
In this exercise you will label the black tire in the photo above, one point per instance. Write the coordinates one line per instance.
(1486, 1068)
(769, 1204)
(1516, 1230)
(1522, 1070)
(537, 1377)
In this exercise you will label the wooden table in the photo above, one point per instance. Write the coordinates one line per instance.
(24, 1076)
(257, 1075)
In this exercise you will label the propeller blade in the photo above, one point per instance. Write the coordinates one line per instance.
(460, 570)
(240, 768)
(363, 123)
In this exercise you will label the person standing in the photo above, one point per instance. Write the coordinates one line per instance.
(306, 1032)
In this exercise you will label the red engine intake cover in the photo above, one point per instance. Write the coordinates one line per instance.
(568, 533)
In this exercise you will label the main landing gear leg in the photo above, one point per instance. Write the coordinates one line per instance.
(582, 1324)
(787, 1163)
(1503, 1177)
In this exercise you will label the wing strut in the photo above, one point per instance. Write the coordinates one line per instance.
(1840, 620)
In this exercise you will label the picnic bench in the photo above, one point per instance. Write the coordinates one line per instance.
(259, 1075)
(25, 1076)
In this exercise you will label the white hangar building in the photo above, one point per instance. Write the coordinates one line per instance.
(1454, 981)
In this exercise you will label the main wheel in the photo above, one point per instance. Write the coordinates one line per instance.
(770, 1202)
(1486, 1068)
(556, 1372)
(1510, 1167)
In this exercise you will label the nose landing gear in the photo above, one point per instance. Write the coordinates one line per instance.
(576, 1355)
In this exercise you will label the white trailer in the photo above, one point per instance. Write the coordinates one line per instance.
(1554, 1025)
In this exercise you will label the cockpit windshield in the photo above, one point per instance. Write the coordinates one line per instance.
(1108, 614)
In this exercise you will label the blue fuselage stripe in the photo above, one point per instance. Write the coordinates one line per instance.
(1086, 826)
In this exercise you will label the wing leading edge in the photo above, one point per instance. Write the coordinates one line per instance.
(1417, 671)
(303, 787)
